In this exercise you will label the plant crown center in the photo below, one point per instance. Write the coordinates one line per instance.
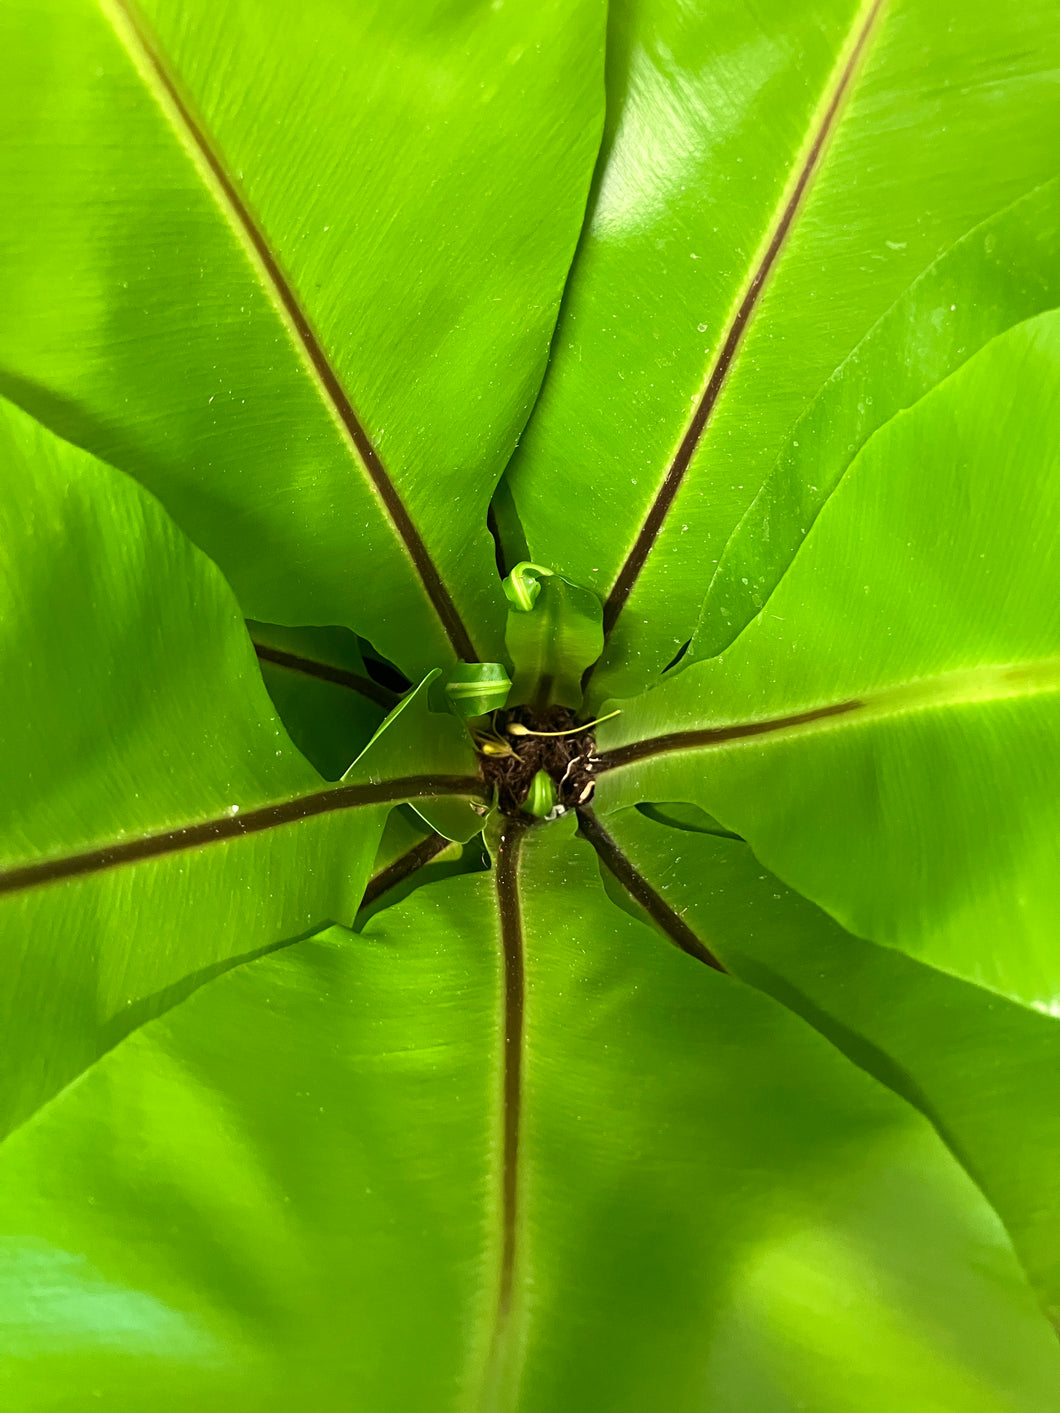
(509, 761)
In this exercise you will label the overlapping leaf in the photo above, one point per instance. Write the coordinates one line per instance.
(157, 820)
(283, 263)
(985, 1070)
(294, 269)
(773, 177)
(1004, 271)
(324, 693)
(292, 1189)
(883, 735)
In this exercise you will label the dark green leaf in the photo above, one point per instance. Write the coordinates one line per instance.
(324, 694)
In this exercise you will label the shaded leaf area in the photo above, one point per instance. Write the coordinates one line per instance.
(684, 816)
(411, 855)
(1004, 271)
(279, 1190)
(322, 690)
(214, 281)
(139, 717)
(985, 1070)
(700, 296)
(883, 735)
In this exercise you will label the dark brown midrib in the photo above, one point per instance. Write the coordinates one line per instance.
(212, 831)
(417, 551)
(514, 982)
(714, 735)
(638, 887)
(653, 522)
(404, 867)
(325, 672)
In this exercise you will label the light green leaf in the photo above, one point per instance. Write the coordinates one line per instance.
(883, 736)
(474, 689)
(303, 1187)
(157, 820)
(288, 1200)
(284, 264)
(985, 1070)
(773, 176)
(1004, 271)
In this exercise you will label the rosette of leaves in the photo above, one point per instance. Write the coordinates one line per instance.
(337, 1076)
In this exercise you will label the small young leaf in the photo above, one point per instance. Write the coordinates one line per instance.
(554, 633)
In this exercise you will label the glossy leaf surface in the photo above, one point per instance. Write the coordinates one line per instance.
(158, 820)
(985, 1070)
(772, 178)
(274, 261)
(332, 1195)
(1004, 271)
(883, 734)
(615, 1120)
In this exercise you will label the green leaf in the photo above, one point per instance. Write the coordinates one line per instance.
(322, 690)
(552, 640)
(773, 176)
(503, 1146)
(410, 855)
(285, 266)
(986, 1071)
(883, 735)
(157, 819)
(1004, 271)
(684, 816)
(288, 1198)
(474, 689)
(293, 1189)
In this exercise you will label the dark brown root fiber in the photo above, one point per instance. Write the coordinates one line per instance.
(569, 760)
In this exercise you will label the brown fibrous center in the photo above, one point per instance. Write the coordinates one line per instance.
(569, 760)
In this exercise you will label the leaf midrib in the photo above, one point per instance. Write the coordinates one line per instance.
(963, 687)
(619, 864)
(838, 87)
(498, 1369)
(161, 81)
(327, 672)
(292, 810)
